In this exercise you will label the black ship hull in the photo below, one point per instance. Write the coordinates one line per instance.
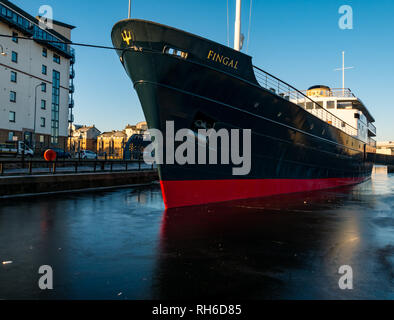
(200, 80)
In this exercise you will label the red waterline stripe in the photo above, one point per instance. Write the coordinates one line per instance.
(196, 192)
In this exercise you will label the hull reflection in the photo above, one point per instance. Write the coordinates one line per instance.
(245, 249)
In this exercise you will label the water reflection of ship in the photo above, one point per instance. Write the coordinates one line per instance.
(251, 249)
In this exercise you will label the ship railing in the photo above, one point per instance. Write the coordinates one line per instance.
(337, 93)
(288, 92)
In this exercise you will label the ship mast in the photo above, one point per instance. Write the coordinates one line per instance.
(129, 9)
(343, 71)
(237, 36)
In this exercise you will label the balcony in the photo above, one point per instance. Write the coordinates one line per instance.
(72, 73)
(16, 21)
(55, 43)
(72, 60)
(71, 104)
(31, 29)
(71, 89)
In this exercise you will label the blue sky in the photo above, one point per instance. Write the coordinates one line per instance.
(297, 40)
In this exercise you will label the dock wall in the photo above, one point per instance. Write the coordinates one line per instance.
(10, 186)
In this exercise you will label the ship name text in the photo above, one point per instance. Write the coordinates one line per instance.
(228, 62)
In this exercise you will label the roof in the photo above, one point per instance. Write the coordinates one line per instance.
(319, 87)
(113, 134)
(62, 24)
(85, 128)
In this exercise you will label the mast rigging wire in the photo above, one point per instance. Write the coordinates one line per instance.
(250, 24)
(228, 26)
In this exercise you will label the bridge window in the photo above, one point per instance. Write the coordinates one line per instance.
(330, 104)
(309, 105)
(345, 105)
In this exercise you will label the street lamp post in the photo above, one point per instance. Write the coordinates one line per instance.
(2, 52)
(35, 114)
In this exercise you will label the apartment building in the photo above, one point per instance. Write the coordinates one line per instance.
(36, 77)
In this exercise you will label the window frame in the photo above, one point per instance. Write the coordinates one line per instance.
(14, 54)
(14, 117)
(43, 87)
(56, 58)
(12, 96)
(43, 102)
(43, 122)
(45, 52)
(15, 36)
(14, 73)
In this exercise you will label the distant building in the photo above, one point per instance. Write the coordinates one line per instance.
(113, 143)
(142, 127)
(36, 91)
(139, 128)
(386, 148)
(83, 138)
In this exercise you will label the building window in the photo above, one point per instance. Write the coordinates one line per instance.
(56, 58)
(12, 96)
(12, 116)
(44, 87)
(55, 107)
(10, 136)
(44, 69)
(43, 104)
(14, 57)
(42, 122)
(13, 76)
(44, 52)
(42, 139)
(15, 37)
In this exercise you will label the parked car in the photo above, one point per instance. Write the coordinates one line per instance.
(16, 148)
(61, 154)
(87, 155)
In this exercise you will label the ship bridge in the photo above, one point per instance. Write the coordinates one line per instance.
(345, 105)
